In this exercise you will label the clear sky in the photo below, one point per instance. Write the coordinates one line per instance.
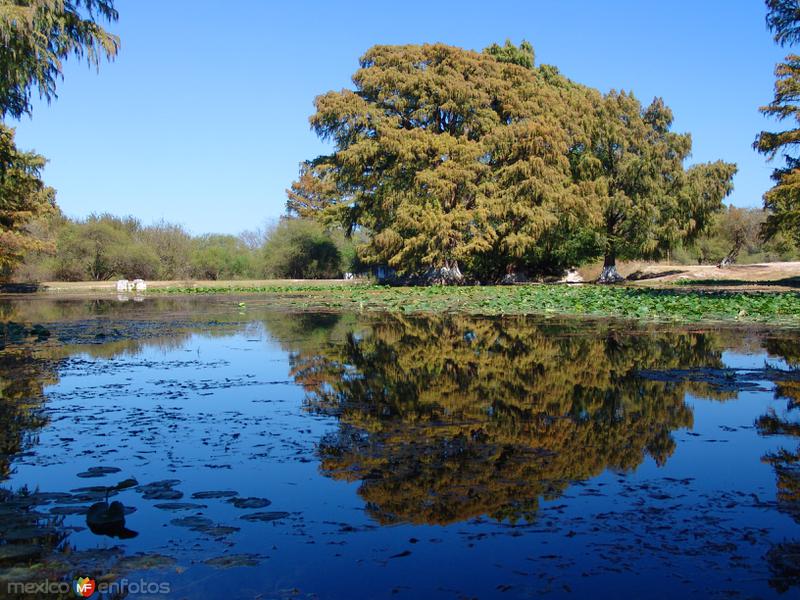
(203, 118)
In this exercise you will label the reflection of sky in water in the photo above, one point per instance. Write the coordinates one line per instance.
(222, 413)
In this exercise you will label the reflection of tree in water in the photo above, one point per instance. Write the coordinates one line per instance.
(23, 376)
(784, 558)
(447, 418)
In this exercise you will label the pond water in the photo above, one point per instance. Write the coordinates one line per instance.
(280, 454)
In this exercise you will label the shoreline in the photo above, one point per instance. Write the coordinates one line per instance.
(666, 304)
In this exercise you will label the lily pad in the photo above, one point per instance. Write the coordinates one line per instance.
(163, 495)
(179, 506)
(250, 502)
(214, 494)
(193, 522)
(69, 510)
(265, 516)
(98, 472)
(217, 531)
(233, 560)
(160, 490)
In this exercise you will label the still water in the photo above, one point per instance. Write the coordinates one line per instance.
(312, 455)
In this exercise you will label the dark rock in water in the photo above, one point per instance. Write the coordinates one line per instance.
(233, 560)
(265, 516)
(108, 519)
(214, 494)
(179, 506)
(250, 502)
(98, 472)
(102, 513)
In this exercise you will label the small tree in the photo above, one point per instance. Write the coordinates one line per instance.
(173, 246)
(301, 249)
(647, 201)
(101, 248)
(221, 257)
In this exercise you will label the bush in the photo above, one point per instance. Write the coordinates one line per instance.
(221, 257)
(303, 249)
(173, 246)
(101, 248)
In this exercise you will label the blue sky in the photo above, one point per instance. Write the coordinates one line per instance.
(203, 118)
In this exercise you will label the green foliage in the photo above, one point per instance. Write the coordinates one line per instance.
(221, 257)
(783, 200)
(103, 247)
(23, 198)
(38, 35)
(173, 246)
(522, 55)
(633, 167)
(737, 232)
(303, 249)
(454, 159)
(783, 19)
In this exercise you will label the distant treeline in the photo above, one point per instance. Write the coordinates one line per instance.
(106, 247)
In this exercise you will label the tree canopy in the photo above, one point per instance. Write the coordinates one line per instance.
(453, 159)
(783, 200)
(38, 35)
(783, 19)
(23, 197)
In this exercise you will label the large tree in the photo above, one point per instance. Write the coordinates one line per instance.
(453, 158)
(23, 197)
(38, 35)
(783, 200)
(448, 157)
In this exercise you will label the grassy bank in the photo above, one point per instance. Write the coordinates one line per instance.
(627, 302)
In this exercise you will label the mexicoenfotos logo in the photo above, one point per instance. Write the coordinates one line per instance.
(84, 587)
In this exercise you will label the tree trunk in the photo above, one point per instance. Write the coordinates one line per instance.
(449, 274)
(609, 274)
(730, 258)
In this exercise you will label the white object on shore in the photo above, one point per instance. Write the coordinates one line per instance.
(138, 285)
(572, 276)
(122, 285)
